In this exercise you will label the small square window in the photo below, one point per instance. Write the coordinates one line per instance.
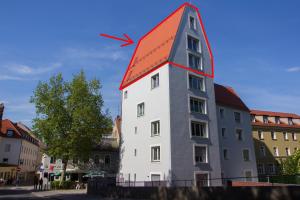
(195, 62)
(199, 129)
(196, 83)
(155, 81)
(197, 105)
(140, 109)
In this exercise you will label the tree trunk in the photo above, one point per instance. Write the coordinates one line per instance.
(63, 174)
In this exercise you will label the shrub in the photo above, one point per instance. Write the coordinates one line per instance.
(62, 185)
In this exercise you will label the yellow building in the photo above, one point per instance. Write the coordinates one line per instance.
(276, 135)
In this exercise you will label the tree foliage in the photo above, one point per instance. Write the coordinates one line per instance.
(69, 116)
(291, 165)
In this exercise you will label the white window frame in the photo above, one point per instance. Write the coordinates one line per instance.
(156, 173)
(249, 155)
(288, 152)
(155, 145)
(194, 24)
(277, 152)
(285, 136)
(199, 45)
(202, 172)
(275, 137)
(196, 54)
(152, 121)
(241, 117)
(262, 134)
(294, 136)
(197, 97)
(206, 155)
(198, 76)
(200, 121)
(153, 86)
(137, 107)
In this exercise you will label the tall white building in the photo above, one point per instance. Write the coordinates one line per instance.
(169, 122)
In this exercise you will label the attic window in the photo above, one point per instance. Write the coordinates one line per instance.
(193, 44)
(10, 132)
(192, 23)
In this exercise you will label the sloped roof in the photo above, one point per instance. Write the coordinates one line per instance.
(275, 114)
(226, 96)
(154, 48)
(9, 125)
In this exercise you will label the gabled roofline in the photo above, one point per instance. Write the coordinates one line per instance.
(122, 86)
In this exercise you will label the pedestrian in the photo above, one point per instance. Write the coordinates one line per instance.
(41, 184)
(35, 182)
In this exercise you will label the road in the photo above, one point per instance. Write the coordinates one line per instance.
(24, 193)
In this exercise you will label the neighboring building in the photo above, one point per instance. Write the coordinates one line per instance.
(235, 133)
(169, 122)
(276, 135)
(19, 150)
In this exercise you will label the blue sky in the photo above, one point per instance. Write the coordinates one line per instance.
(255, 46)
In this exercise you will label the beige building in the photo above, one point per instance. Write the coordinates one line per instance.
(276, 135)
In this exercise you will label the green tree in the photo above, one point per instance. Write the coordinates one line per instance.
(291, 165)
(69, 117)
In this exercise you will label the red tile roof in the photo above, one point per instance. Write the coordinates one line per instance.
(226, 96)
(9, 125)
(261, 124)
(275, 114)
(154, 48)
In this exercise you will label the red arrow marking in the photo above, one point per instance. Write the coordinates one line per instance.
(128, 40)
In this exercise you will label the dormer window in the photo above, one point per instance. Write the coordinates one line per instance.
(290, 120)
(192, 23)
(265, 119)
(277, 120)
(10, 133)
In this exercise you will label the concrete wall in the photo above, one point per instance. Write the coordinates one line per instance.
(235, 166)
(157, 107)
(182, 144)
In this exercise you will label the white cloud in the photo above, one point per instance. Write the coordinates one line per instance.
(293, 69)
(4, 77)
(107, 54)
(27, 70)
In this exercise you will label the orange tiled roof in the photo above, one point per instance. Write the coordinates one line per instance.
(154, 48)
(6, 125)
(275, 114)
(228, 97)
(261, 124)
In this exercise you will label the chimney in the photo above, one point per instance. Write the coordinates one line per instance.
(1, 114)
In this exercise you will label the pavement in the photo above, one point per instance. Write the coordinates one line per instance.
(28, 193)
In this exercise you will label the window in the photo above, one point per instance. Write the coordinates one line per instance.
(260, 169)
(196, 83)
(192, 23)
(155, 128)
(294, 136)
(223, 132)
(265, 119)
(125, 94)
(222, 113)
(285, 136)
(7, 147)
(193, 44)
(202, 179)
(248, 175)
(273, 135)
(239, 134)
(155, 81)
(107, 160)
(252, 118)
(155, 177)
(237, 117)
(198, 129)
(225, 154)
(200, 154)
(246, 155)
(135, 130)
(195, 62)
(10, 132)
(135, 152)
(275, 151)
(140, 109)
(155, 153)
(5, 160)
(197, 105)
(262, 150)
(277, 120)
(287, 151)
(270, 169)
(290, 121)
(260, 135)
